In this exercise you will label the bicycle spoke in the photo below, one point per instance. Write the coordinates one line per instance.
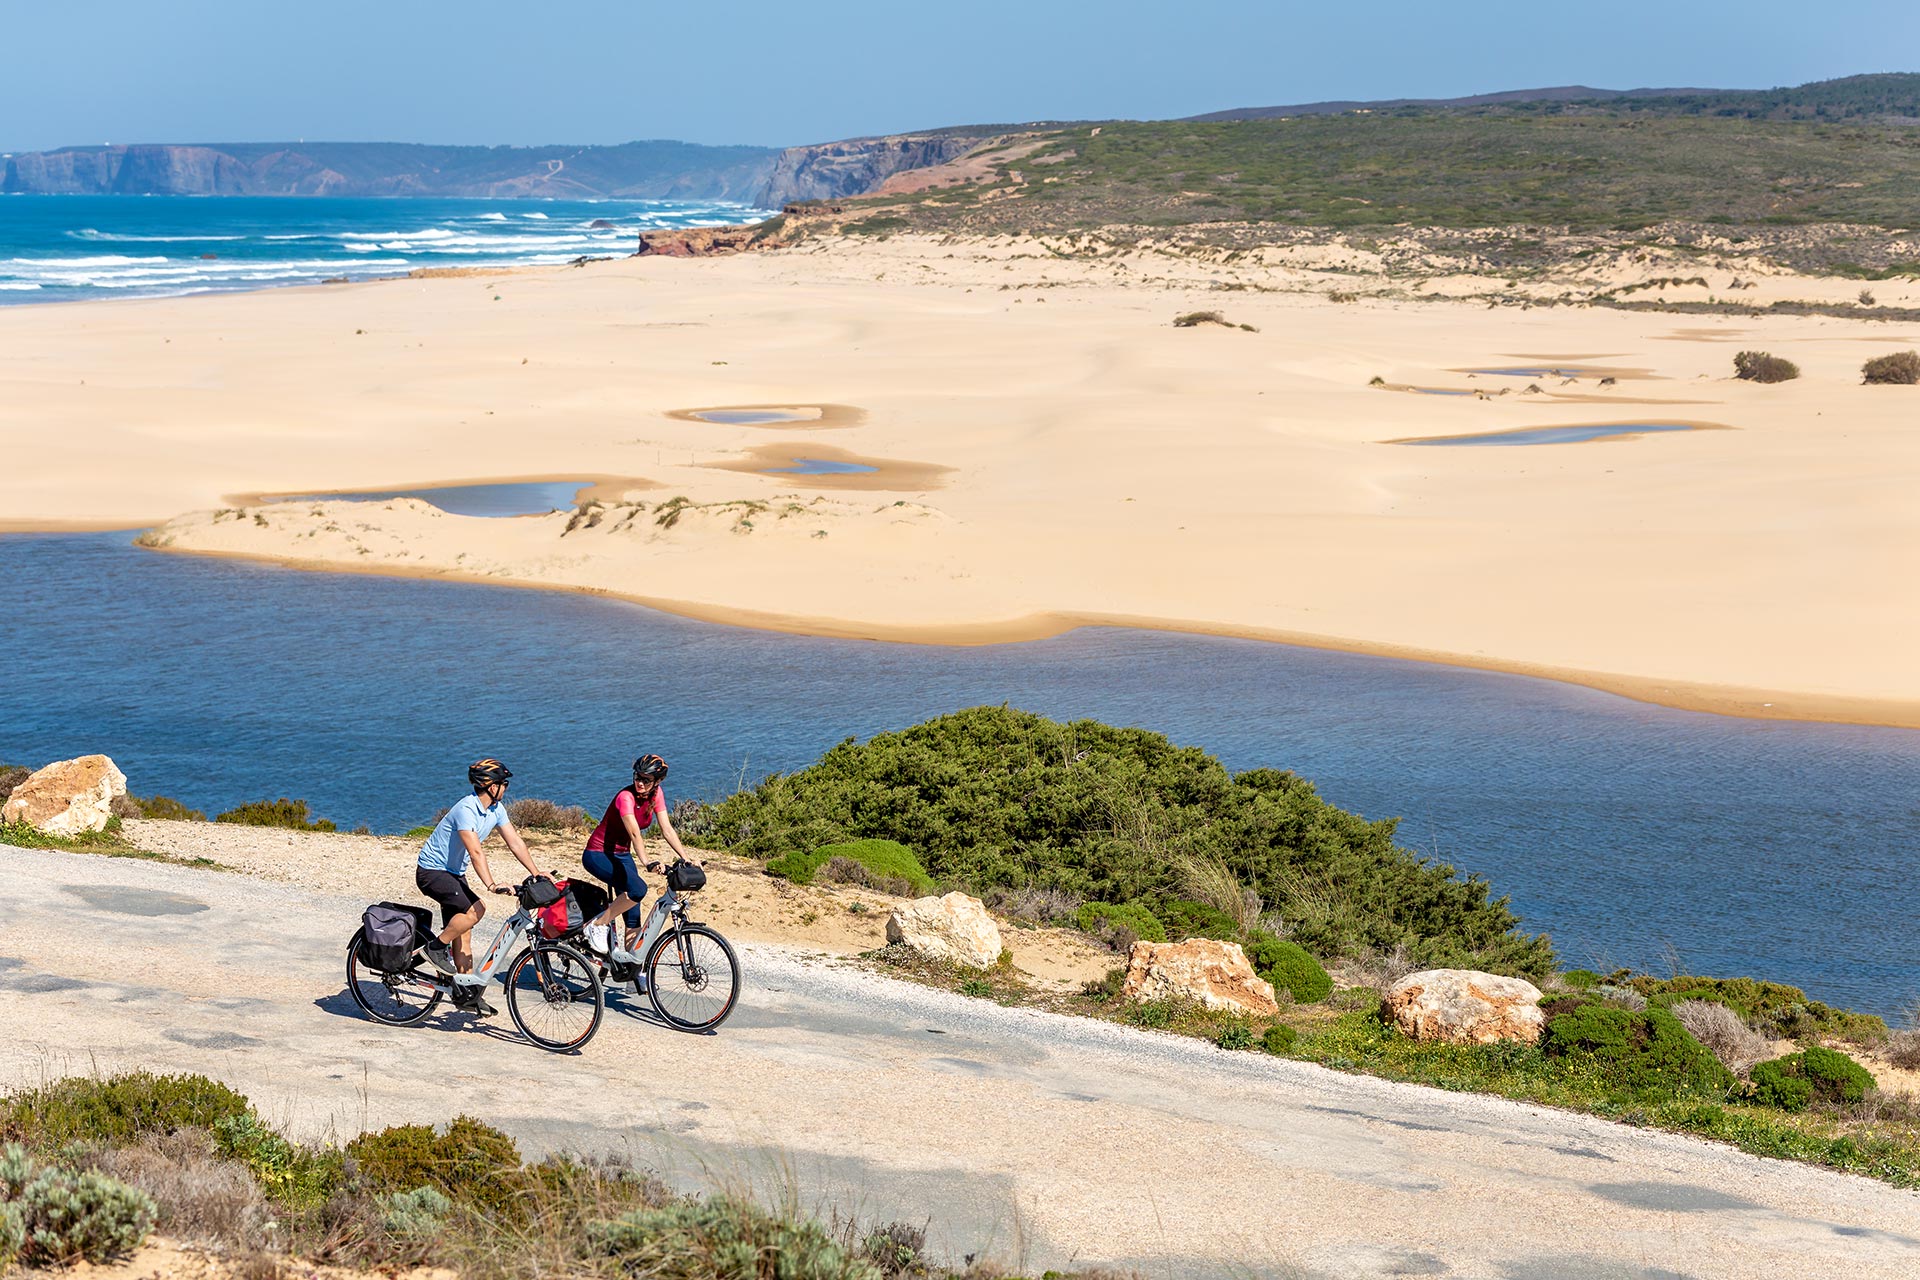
(397, 999)
(693, 979)
(554, 996)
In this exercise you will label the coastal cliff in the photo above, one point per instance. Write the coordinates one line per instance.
(857, 166)
(634, 170)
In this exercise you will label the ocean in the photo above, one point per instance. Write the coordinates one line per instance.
(68, 248)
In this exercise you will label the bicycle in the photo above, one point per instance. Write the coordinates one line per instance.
(692, 976)
(554, 993)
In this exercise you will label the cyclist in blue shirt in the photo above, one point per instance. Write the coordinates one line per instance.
(441, 873)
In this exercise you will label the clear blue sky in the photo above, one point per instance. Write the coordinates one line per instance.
(89, 71)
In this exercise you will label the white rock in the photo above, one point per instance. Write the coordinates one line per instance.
(954, 928)
(67, 797)
(1466, 1006)
(1217, 974)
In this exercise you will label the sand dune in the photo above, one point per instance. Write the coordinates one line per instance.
(1100, 463)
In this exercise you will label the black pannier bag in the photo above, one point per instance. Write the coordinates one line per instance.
(391, 932)
(684, 877)
(536, 892)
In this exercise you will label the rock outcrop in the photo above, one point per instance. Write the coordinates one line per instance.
(1465, 1006)
(955, 928)
(1216, 974)
(703, 242)
(68, 797)
(857, 166)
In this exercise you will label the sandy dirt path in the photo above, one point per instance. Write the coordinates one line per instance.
(1035, 1138)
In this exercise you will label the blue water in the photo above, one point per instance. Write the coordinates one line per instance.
(525, 498)
(822, 467)
(1556, 435)
(64, 248)
(750, 417)
(1749, 847)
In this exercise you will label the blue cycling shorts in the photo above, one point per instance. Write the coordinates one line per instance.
(618, 872)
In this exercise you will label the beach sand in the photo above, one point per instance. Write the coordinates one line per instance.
(1053, 452)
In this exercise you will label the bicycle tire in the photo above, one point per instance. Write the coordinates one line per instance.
(579, 979)
(701, 982)
(362, 982)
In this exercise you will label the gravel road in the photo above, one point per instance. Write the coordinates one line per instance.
(1032, 1138)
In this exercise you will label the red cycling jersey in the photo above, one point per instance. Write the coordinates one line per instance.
(611, 835)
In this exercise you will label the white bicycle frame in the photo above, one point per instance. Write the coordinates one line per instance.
(515, 929)
(655, 923)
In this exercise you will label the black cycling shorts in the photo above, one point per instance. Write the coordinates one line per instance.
(452, 892)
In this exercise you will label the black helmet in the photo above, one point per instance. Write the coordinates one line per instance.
(482, 772)
(649, 767)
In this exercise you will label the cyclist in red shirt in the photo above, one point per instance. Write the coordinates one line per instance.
(610, 852)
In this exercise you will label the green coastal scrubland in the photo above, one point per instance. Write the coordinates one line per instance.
(89, 1168)
(1128, 837)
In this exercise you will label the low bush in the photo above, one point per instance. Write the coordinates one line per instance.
(1279, 1038)
(1639, 1054)
(1724, 1032)
(997, 796)
(169, 808)
(1289, 968)
(1815, 1074)
(11, 776)
(1103, 918)
(289, 814)
(896, 1248)
(534, 814)
(13, 1234)
(1771, 1007)
(202, 1198)
(1235, 1035)
(723, 1236)
(470, 1163)
(295, 1175)
(1902, 368)
(1758, 366)
(65, 1217)
(419, 1212)
(1903, 1049)
(1185, 918)
(120, 1109)
(882, 860)
(1033, 903)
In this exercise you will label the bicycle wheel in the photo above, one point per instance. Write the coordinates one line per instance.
(692, 978)
(397, 999)
(555, 996)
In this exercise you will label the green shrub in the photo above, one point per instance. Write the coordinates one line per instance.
(1779, 1009)
(1902, 368)
(1758, 366)
(290, 814)
(300, 1176)
(722, 1236)
(418, 833)
(1637, 1053)
(1775, 1086)
(1817, 1073)
(419, 1212)
(116, 1110)
(66, 1217)
(168, 807)
(1185, 918)
(1092, 917)
(1235, 1035)
(1580, 979)
(470, 1163)
(1279, 1038)
(1289, 968)
(13, 1234)
(998, 797)
(883, 860)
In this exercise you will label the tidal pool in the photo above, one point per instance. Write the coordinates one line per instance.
(527, 498)
(823, 467)
(1554, 435)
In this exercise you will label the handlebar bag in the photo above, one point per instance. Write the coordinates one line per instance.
(538, 891)
(390, 932)
(564, 915)
(684, 877)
